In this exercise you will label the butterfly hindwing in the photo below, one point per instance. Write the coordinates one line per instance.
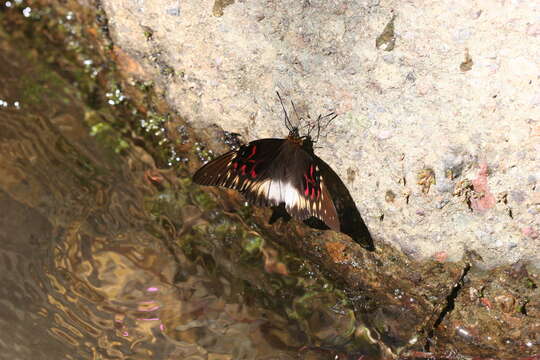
(294, 179)
(316, 199)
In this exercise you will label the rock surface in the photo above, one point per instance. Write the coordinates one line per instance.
(439, 126)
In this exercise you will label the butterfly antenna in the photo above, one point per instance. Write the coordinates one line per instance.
(288, 123)
(331, 117)
(308, 126)
(296, 113)
(320, 127)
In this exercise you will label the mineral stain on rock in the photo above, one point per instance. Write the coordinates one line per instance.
(426, 178)
(387, 39)
(219, 5)
(468, 63)
(480, 184)
(390, 196)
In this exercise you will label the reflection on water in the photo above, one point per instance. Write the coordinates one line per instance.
(96, 262)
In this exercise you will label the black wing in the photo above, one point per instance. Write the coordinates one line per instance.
(241, 168)
(351, 223)
(270, 172)
(294, 179)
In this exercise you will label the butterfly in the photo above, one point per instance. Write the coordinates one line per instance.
(284, 174)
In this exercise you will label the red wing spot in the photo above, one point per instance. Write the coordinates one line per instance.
(311, 172)
(312, 192)
(253, 152)
(235, 165)
(253, 172)
(308, 183)
(318, 193)
(243, 169)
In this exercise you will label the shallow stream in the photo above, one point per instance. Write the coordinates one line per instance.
(106, 255)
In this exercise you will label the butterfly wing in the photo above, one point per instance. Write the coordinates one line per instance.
(294, 179)
(240, 169)
(269, 172)
(351, 223)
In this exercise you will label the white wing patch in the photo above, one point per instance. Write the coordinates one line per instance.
(277, 191)
(283, 192)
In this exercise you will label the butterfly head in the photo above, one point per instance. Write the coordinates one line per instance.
(294, 133)
(304, 141)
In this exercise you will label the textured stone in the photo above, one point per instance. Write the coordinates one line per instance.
(414, 107)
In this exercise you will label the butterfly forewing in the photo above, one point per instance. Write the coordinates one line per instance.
(215, 172)
(241, 168)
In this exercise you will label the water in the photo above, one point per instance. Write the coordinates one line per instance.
(103, 255)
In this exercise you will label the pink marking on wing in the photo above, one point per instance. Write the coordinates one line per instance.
(235, 165)
(253, 151)
(243, 169)
(253, 173)
(311, 172)
(307, 190)
(313, 193)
